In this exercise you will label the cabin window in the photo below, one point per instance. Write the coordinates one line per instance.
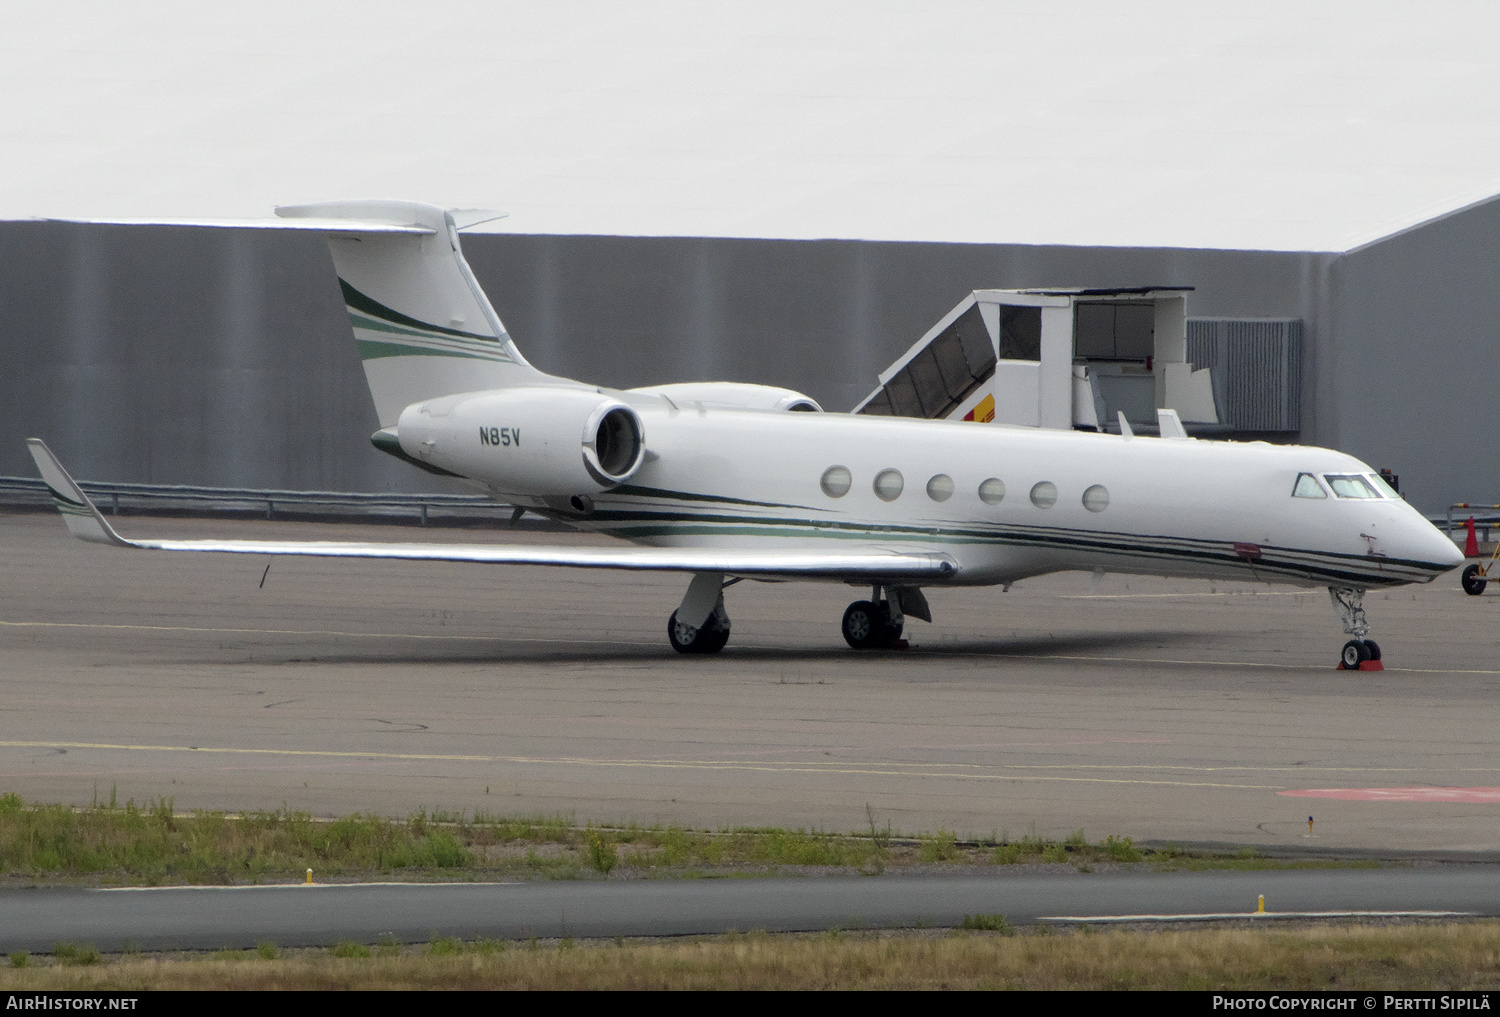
(836, 481)
(1350, 485)
(888, 485)
(940, 487)
(1044, 495)
(1096, 498)
(992, 491)
(1307, 486)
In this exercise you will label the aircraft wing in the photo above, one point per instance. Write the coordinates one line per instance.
(85, 522)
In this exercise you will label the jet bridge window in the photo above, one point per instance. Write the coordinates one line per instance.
(1307, 486)
(1350, 485)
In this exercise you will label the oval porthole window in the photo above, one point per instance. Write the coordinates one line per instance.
(888, 485)
(836, 481)
(940, 487)
(1096, 498)
(992, 491)
(1044, 495)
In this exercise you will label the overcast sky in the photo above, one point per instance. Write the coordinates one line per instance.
(1285, 125)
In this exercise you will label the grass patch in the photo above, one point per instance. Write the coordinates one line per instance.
(1338, 957)
(154, 844)
(73, 954)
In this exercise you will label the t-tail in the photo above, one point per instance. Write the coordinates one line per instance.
(423, 324)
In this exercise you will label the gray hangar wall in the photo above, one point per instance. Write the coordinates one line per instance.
(223, 357)
(1403, 371)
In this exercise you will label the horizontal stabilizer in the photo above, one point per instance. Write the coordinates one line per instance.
(360, 216)
(893, 568)
(317, 225)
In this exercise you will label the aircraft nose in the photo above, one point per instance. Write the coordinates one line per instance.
(1441, 550)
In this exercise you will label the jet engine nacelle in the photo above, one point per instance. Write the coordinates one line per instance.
(527, 441)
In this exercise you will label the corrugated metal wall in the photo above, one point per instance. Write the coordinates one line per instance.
(1257, 370)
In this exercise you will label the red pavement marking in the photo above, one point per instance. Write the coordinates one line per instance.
(1401, 794)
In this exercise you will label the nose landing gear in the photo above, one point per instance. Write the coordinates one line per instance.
(1359, 654)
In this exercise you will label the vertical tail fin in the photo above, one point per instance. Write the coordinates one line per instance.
(424, 327)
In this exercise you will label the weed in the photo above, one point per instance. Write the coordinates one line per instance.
(1121, 849)
(1054, 853)
(1006, 854)
(350, 949)
(445, 947)
(1076, 839)
(72, 953)
(266, 950)
(602, 854)
(20, 959)
(1247, 853)
(566, 943)
(939, 847)
(986, 923)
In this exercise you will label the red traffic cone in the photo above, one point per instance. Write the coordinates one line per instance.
(1471, 544)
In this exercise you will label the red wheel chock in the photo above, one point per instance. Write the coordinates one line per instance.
(1364, 665)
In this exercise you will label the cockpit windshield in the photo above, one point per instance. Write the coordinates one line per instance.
(1307, 486)
(1350, 485)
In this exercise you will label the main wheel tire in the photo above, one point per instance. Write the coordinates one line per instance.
(1473, 582)
(867, 626)
(1374, 648)
(710, 638)
(1355, 653)
(861, 626)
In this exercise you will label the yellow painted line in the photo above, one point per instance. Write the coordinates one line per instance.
(778, 766)
(315, 632)
(1146, 596)
(874, 770)
(936, 649)
(1207, 663)
(283, 886)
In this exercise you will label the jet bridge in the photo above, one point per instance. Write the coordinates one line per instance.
(1059, 358)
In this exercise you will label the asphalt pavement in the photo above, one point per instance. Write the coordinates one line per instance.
(299, 915)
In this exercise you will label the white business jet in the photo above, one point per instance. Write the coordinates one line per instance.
(727, 481)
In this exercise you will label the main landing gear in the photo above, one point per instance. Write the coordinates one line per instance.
(700, 624)
(1359, 654)
(877, 623)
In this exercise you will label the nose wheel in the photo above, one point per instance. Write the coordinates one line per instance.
(1359, 654)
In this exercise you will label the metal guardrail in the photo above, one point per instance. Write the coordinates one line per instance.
(113, 497)
(1486, 519)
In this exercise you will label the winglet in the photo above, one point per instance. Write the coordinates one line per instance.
(83, 519)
